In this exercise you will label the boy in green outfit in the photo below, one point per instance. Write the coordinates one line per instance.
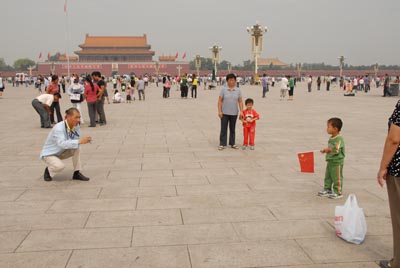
(335, 154)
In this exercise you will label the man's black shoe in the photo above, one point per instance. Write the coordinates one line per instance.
(79, 176)
(46, 175)
(385, 264)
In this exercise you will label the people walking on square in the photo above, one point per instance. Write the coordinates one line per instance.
(53, 88)
(309, 83)
(195, 82)
(328, 82)
(335, 153)
(386, 86)
(184, 86)
(100, 97)
(141, 86)
(291, 87)
(284, 87)
(63, 142)
(63, 82)
(249, 118)
(42, 105)
(91, 92)
(76, 94)
(264, 84)
(319, 83)
(2, 87)
(230, 105)
(389, 172)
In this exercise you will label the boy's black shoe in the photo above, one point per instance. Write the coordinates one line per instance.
(79, 176)
(46, 175)
(385, 264)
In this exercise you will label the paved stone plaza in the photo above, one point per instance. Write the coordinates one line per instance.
(162, 195)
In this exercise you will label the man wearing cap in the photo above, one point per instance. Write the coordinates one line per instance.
(42, 106)
(64, 141)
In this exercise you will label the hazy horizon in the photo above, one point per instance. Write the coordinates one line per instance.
(311, 31)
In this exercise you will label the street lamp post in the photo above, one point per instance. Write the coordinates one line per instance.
(298, 67)
(157, 67)
(376, 69)
(179, 68)
(341, 64)
(197, 63)
(257, 31)
(30, 68)
(229, 67)
(215, 49)
(52, 68)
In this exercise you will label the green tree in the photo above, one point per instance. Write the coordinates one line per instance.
(23, 64)
(4, 66)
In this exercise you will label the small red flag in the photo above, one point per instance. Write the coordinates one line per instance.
(40, 55)
(306, 162)
(184, 55)
(176, 55)
(65, 6)
(48, 56)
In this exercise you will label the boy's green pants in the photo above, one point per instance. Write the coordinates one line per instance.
(334, 176)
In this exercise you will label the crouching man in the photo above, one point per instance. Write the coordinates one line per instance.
(64, 141)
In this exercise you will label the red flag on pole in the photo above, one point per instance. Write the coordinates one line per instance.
(40, 55)
(65, 6)
(184, 55)
(48, 56)
(306, 162)
(176, 55)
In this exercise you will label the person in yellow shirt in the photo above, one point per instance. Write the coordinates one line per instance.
(195, 82)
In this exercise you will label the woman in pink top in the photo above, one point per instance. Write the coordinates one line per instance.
(91, 90)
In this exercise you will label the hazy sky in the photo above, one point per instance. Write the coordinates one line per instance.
(364, 31)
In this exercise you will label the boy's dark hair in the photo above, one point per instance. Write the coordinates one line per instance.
(230, 76)
(248, 101)
(336, 123)
(57, 94)
(96, 73)
(54, 77)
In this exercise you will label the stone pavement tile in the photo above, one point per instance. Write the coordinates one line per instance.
(9, 241)
(199, 201)
(252, 199)
(51, 259)
(380, 209)
(139, 257)
(162, 181)
(44, 240)
(10, 194)
(317, 211)
(134, 218)
(335, 265)
(227, 164)
(376, 226)
(175, 165)
(86, 205)
(242, 179)
(59, 194)
(282, 229)
(42, 221)
(303, 186)
(130, 192)
(126, 174)
(282, 253)
(225, 215)
(203, 172)
(183, 234)
(24, 207)
(211, 189)
(329, 250)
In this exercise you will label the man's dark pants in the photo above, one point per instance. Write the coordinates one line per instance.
(55, 106)
(225, 121)
(44, 116)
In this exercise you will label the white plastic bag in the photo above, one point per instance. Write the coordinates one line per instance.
(350, 221)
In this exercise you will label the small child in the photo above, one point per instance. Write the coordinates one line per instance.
(128, 94)
(249, 117)
(335, 154)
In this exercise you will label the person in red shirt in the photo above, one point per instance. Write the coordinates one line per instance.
(91, 91)
(53, 89)
(249, 117)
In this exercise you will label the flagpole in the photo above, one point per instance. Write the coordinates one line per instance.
(67, 38)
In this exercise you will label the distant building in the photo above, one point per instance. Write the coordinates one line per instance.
(271, 62)
(115, 49)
